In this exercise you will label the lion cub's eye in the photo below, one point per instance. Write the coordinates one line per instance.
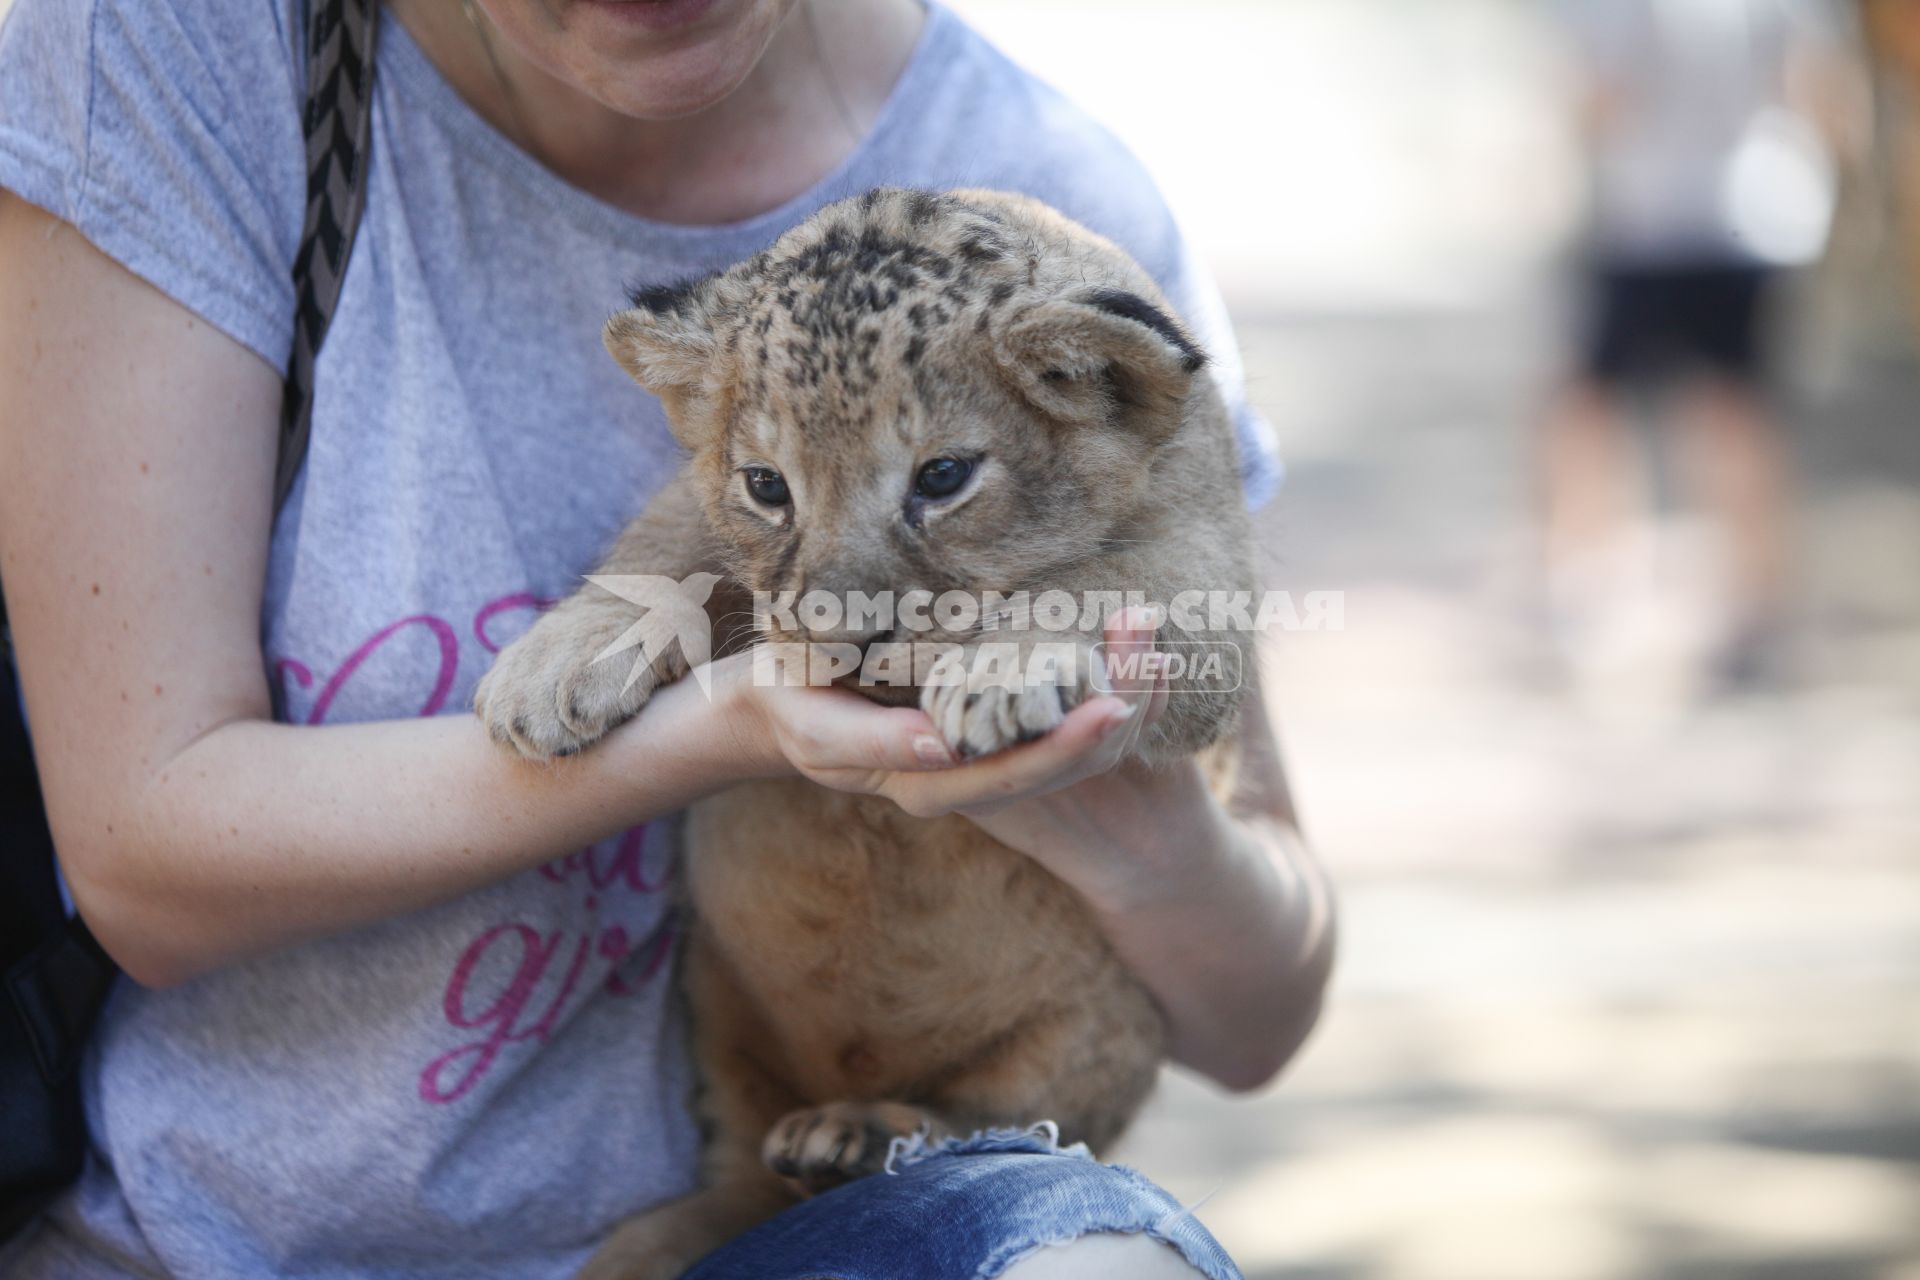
(942, 477)
(768, 486)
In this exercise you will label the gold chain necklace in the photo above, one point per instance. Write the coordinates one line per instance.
(826, 74)
(512, 99)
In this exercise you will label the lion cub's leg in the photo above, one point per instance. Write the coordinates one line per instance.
(1085, 1059)
(552, 692)
(818, 1148)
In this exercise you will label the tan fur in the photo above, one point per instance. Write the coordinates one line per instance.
(854, 973)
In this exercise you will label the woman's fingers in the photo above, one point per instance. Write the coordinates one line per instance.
(1133, 674)
(836, 729)
(1072, 750)
(1127, 641)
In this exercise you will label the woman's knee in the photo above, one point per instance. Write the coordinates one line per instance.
(1107, 1256)
(1002, 1204)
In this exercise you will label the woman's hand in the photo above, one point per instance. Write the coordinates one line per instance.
(841, 740)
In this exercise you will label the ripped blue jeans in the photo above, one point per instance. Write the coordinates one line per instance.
(963, 1209)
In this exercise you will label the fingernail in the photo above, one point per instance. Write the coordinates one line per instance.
(1117, 717)
(932, 752)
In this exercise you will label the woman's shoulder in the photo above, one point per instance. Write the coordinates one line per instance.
(967, 115)
(168, 132)
(243, 53)
(976, 117)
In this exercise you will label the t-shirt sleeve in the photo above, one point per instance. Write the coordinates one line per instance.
(1189, 285)
(168, 133)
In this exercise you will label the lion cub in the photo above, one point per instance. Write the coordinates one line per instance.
(909, 392)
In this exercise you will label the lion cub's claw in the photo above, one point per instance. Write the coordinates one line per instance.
(819, 1148)
(980, 714)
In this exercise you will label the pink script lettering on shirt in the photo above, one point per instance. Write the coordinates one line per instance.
(533, 972)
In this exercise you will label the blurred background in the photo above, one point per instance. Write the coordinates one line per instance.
(1630, 862)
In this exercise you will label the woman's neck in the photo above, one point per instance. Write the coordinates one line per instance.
(816, 92)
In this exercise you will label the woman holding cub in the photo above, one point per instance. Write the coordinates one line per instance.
(397, 1003)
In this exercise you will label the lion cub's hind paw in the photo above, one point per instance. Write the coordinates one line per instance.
(819, 1148)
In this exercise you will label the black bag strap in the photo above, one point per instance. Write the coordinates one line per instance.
(338, 119)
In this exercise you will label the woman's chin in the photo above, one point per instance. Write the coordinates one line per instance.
(665, 59)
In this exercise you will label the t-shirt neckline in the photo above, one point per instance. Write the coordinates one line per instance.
(415, 75)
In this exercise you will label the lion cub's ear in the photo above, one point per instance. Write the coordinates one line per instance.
(1102, 354)
(666, 343)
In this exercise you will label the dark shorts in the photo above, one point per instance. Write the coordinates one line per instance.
(964, 1209)
(1652, 322)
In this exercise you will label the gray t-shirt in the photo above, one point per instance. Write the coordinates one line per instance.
(481, 1088)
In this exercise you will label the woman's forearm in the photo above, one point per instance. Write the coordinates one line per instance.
(258, 835)
(1218, 907)
(1236, 943)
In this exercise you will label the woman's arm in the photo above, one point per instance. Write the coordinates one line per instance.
(138, 449)
(1220, 910)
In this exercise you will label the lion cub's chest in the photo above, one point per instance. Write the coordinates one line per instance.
(852, 921)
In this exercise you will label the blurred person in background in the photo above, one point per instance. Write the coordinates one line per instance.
(1710, 177)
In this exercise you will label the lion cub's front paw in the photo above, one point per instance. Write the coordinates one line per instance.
(980, 709)
(818, 1148)
(551, 693)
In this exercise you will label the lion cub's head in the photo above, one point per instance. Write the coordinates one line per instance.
(924, 392)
